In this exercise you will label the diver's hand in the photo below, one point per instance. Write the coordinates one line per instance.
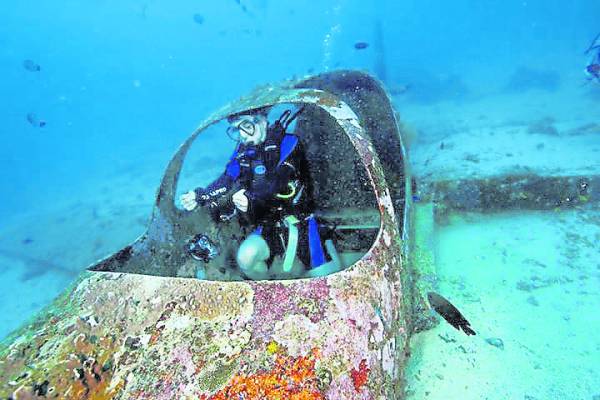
(188, 200)
(240, 200)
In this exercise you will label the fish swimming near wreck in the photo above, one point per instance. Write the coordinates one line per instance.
(31, 66)
(450, 313)
(35, 121)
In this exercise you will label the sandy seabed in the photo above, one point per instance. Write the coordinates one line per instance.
(528, 283)
(526, 280)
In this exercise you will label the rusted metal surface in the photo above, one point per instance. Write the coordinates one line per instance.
(120, 335)
(370, 102)
(128, 336)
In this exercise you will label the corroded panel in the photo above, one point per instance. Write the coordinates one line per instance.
(129, 336)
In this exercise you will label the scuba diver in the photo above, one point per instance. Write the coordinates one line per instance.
(266, 184)
(593, 67)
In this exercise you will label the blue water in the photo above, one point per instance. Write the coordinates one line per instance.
(93, 54)
(122, 83)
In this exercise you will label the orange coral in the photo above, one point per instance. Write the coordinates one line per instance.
(292, 378)
(360, 375)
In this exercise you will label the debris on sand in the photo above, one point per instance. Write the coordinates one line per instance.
(533, 301)
(544, 126)
(474, 158)
(496, 342)
(591, 128)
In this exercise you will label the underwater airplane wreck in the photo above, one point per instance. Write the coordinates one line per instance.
(139, 324)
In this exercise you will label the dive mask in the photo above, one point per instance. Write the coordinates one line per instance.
(243, 127)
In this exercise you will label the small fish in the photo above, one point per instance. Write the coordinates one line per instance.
(35, 121)
(361, 45)
(31, 65)
(199, 19)
(449, 313)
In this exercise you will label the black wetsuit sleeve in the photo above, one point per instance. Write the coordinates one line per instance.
(215, 190)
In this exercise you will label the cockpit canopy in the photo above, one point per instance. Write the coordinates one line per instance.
(334, 184)
(205, 244)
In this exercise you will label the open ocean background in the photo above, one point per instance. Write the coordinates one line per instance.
(122, 83)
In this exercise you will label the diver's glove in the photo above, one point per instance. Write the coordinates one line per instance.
(240, 200)
(188, 200)
(193, 198)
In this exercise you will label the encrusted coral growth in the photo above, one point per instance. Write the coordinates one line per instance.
(216, 301)
(272, 302)
(87, 358)
(291, 378)
(360, 375)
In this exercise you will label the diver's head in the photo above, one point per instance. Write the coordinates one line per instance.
(250, 127)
